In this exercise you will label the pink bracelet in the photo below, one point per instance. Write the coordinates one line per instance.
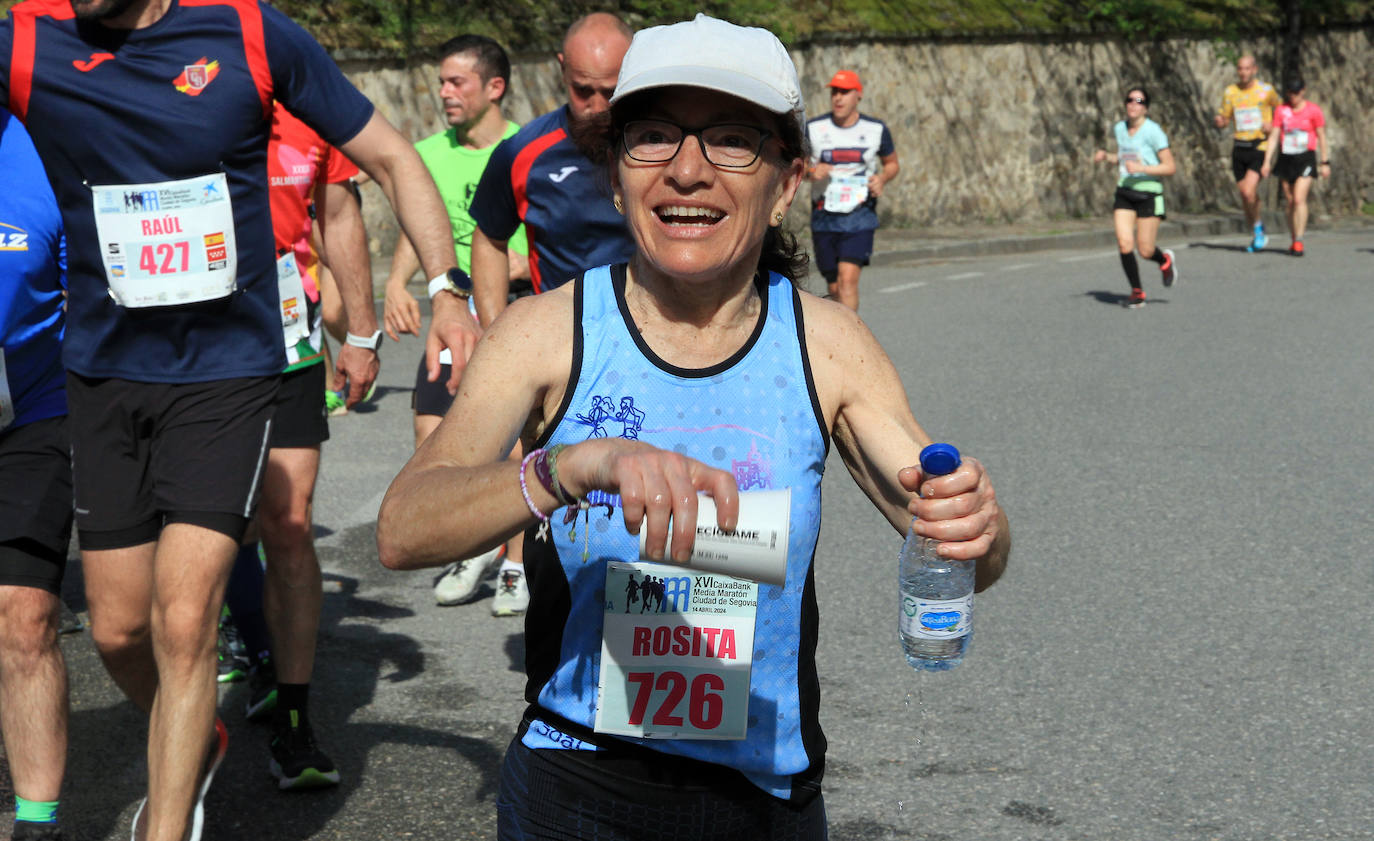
(524, 488)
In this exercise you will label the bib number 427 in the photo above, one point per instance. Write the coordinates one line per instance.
(705, 707)
(165, 258)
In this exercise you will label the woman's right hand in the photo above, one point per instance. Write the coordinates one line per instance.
(1099, 156)
(655, 486)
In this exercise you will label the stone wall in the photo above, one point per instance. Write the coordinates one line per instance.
(1005, 131)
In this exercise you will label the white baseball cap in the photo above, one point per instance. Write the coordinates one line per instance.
(706, 52)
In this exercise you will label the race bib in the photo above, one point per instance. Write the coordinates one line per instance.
(167, 243)
(1126, 156)
(1295, 141)
(1248, 119)
(6, 402)
(845, 192)
(295, 325)
(677, 648)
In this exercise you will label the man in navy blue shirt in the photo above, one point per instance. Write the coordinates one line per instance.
(540, 176)
(154, 116)
(35, 485)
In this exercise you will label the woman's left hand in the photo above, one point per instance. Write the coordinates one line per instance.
(959, 509)
(1135, 167)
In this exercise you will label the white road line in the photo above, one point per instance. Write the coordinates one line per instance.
(1017, 266)
(964, 276)
(1083, 257)
(902, 287)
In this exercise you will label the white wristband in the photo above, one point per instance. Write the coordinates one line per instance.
(370, 343)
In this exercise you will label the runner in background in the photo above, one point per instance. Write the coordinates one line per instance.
(474, 73)
(1142, 157)
(544, 178)
(310, 189)
(35, 486)
(1299, 132)
(852, 159)
(1249, 104)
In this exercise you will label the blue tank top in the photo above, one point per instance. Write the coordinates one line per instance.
(755, 414)
(32, 266)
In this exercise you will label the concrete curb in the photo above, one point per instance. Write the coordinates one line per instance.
(901, 252)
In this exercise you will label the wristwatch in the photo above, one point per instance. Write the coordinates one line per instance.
(372, 343)
(454, 280)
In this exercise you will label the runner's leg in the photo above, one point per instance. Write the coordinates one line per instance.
(292, 597)
(119, 593)
(33, 692)
(190, 571)
(1300, 189)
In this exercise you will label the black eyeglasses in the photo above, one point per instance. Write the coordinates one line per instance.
(1137, 100)
(725, 145)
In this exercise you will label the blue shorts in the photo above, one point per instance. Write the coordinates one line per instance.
(834, 246)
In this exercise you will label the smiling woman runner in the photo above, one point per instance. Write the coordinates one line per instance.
(636, 387)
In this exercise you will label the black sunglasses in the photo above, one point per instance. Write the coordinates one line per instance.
(1137, 100)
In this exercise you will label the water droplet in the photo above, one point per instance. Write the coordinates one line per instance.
(899, 805)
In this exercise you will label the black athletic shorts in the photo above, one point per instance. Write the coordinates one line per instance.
(1245, 157)
(568, 795)
(832, 246)
(35, 504)
(1292, 167)
(148, 454)
(431, 398)
(1145, 205)
(301, 419)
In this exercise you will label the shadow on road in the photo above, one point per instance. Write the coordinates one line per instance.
(1118, 299)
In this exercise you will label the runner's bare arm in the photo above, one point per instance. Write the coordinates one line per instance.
(490, 276)
(344, 237)
(394, 164)
(400, 311)
(871, 424)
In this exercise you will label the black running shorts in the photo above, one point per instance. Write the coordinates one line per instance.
(35, 504)
(148, 454)
(431, 398)
(583, 796)
(1292, 167)
(1246, 157)
(1145, 205)
(301, 419)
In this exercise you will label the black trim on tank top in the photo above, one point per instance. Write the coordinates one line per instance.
(618, 281)
(806, 369)
(575, 373)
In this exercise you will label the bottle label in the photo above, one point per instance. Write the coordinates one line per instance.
(936, 619)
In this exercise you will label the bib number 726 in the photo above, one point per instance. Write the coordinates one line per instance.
(705, 707)
(162, 257)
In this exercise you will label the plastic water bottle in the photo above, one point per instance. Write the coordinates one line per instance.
(935, 616)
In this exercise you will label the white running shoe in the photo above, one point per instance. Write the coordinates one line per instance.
(212, 763)
(460, 579)
(512, 593)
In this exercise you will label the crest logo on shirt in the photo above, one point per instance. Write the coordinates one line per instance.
(195, 78)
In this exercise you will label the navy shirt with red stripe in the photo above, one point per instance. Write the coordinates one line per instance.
(103, 107)
(539, 177)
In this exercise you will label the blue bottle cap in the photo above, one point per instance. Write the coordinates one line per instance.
(939, 459)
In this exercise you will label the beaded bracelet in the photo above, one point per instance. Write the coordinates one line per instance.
(525, 490)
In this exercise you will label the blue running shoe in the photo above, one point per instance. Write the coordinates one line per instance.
(1260, 240)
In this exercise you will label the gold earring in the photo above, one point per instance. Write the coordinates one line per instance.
(777, 218)
(619, 208)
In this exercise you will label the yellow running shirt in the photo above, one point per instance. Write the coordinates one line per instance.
(1250, 110)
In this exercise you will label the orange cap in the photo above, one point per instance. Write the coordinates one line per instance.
(846, 80)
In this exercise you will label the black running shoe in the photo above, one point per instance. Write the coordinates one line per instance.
(297, 762)
(262, 691)
(233, 654)
(29, 831)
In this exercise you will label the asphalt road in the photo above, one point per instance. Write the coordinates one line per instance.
(1179, 650)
